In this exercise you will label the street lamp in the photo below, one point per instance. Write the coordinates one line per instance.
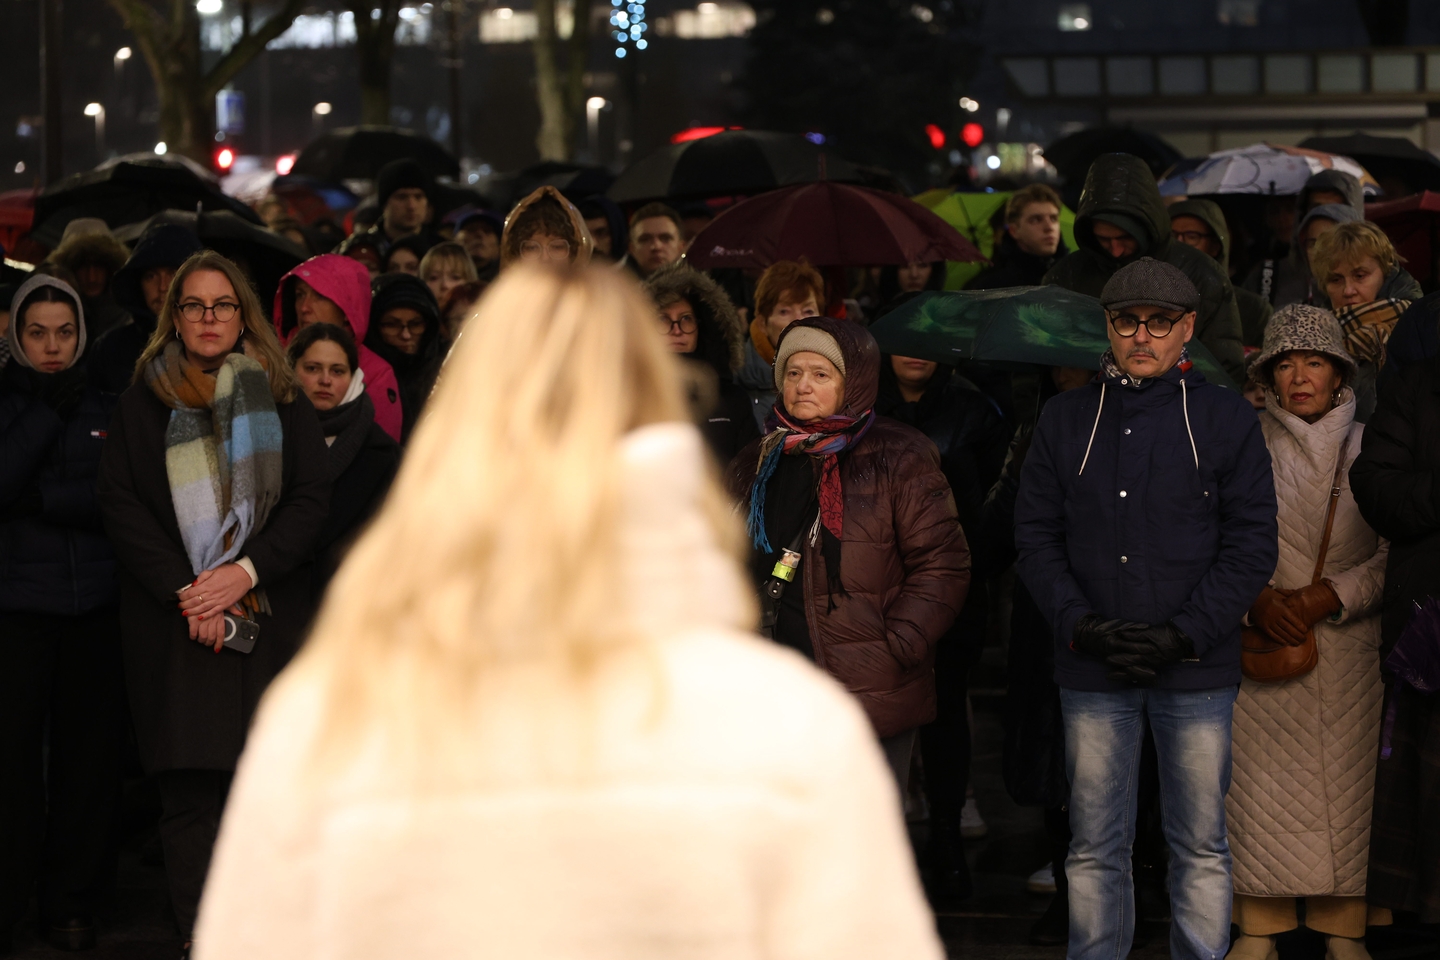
(593, 106)
(98, 112)
(317, 113)
(121, 55)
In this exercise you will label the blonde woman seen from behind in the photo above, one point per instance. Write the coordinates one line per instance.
(528, 722)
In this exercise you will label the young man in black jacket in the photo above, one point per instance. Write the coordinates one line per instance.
(1031, 244)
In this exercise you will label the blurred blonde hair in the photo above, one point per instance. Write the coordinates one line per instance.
(497, 552)
(258, 336)
(1352, 241)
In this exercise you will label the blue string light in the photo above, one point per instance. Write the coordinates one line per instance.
(630, 26)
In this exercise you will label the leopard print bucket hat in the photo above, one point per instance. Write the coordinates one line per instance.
(1301, 326)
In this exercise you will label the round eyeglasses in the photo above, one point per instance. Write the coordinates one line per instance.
(1157, 325)
(224, 311)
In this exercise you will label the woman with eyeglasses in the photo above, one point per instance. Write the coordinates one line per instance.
(405, 333)
(700, 324)
(213, 488)
(545, 228)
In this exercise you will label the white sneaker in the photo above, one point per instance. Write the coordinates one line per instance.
(972, 826)
(1042, 880)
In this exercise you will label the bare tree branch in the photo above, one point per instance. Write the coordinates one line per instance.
(249, 46)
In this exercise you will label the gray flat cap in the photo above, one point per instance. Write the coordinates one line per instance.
(1150, 282)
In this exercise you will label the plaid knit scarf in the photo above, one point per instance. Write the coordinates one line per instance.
(826, 440)
(1367, 327)
(222, 453)
(1111, 368)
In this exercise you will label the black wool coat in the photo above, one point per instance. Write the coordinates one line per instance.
(1395, 483)
(356, 496)
(192, 706)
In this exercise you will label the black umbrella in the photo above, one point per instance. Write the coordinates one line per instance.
(735, 162)
(128, 191)
(1073, 155)
(1385, 158)
(358, 153)
(575, 181)
(264, 255)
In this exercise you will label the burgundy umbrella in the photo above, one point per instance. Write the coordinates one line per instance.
(830, 225)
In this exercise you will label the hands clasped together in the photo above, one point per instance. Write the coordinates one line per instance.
(1133, 651)
(1286, 616)
(205, 602)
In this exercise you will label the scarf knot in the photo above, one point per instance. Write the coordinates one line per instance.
(826, 439)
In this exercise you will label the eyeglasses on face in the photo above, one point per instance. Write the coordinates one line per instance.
(1191, 237)
(685, 324)
(396, 327)
(553, 249)
(1159, 325)
(224, 311)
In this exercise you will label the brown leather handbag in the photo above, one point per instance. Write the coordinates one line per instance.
(1265, 660)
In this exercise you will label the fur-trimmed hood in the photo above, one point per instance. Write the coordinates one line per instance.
(91, 248)
(722, 333)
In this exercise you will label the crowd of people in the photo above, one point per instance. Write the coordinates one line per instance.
(424, 596)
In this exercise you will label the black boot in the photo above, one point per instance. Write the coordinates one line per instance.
(1053, 927)
(947, 875)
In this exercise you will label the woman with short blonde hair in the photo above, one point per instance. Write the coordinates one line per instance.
(528, 724)
(1357, 268)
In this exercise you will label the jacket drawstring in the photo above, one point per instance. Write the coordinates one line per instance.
(1098, 411)
(1185, 405)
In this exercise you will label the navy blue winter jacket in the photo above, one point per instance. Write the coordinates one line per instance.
(55, 557)
(1144, 532)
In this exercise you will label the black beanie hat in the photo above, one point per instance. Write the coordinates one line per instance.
(391, 290)
(401, 175)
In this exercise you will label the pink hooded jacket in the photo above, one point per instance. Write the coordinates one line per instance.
(346, 282)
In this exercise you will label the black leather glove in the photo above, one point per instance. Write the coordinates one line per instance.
(1141, 649)
(1096, 637)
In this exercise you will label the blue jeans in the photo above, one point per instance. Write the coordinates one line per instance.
(1103, 735)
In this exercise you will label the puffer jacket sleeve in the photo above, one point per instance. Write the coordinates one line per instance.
(1396, 496)
(932, 551)
(1044, 562)
(1249, 534)
(25, 438)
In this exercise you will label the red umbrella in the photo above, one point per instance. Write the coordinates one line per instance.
(17, 215)
(830, 225)
(1413, 224)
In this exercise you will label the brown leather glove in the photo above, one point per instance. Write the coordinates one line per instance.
(1272, 613)
(1315, 602)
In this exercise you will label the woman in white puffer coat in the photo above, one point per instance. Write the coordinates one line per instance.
(1305, 749)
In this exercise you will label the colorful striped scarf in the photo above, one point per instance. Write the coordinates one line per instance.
(222, 453)
(1367, 327)
(826, 440)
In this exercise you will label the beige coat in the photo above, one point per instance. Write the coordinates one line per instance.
(1305, 750)
(746, 813)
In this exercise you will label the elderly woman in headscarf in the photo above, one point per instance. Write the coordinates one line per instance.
(857, 550)
(1305, 749)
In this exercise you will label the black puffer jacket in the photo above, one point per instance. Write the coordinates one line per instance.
(727, 419)
(1122, 185)
(54, 557)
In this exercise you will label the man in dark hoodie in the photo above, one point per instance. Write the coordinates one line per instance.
(1201, 224)
(1283, 280)
(140, 287)
(1121, 218)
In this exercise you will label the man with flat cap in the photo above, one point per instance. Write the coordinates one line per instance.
(1145, 523)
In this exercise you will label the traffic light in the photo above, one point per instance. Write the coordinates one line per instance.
(224, 159)
(936, 135)
(972, 135)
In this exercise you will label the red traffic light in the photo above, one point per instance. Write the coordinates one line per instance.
(224, 159)
(936, 135)
(972, 134)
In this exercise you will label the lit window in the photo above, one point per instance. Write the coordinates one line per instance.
(1238, 13)
(712, 21)
(1075, 16)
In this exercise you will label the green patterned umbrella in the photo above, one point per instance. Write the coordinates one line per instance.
(1044, 325)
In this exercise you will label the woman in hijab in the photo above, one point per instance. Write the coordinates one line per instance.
(363, 458)
(61, 687)
(213, 487)
(856, 547)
